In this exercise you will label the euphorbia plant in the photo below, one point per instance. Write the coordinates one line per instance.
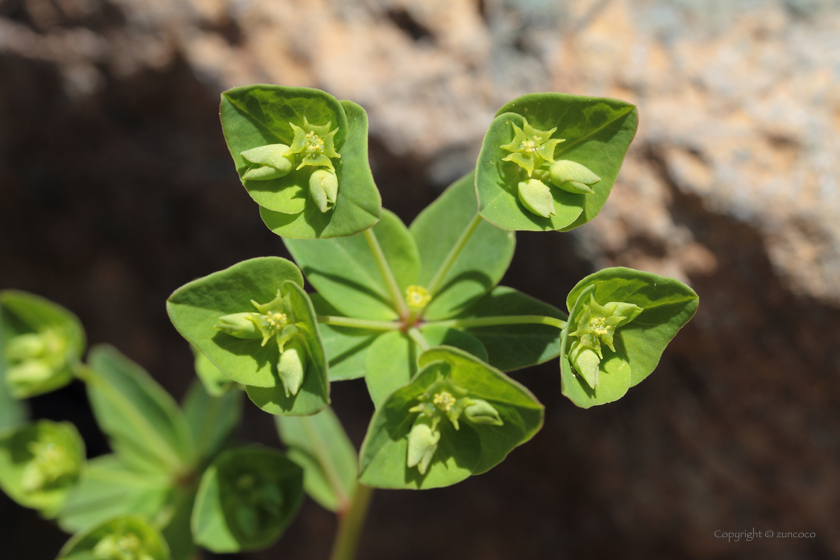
(414, 310)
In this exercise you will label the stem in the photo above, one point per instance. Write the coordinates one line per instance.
(387, 275)
(350, 524)
(502, 320)
(418, 337)
(359, 323)
(450, 259)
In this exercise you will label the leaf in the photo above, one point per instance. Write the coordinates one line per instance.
(345, 273)
(211, 419)
(143, 423)
(57, 329)
(195, 308)
(481, 264)
(13, 413)
(105, 537)
(358, 204)
(472, 449)
(40, 463)
(246, 499)
(513, 347)
(214, 381)
(392, 359)
(346, 347)
(259, 115)
(667, 305)
(109, 489)
(597, 133)
(321, 447)
(314, 394)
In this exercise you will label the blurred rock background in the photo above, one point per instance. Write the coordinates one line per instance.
(116, 188)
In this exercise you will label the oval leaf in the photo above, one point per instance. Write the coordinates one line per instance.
(246, 499)
(345, 273)
(473, 448)
(321, 447)
(41, 342)
(106, 541)
(596, 133)
(40, 463)
(481, 264)
(358, 204)
(667, 305)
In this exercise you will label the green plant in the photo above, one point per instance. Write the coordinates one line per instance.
(416, 311)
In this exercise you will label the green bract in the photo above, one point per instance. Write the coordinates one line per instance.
(41, 344)
(40, 463)
(620, 322)
(246, 499)
(302, 156)
(564, 146)
(123, 538)
(405, 446)
(256, 324)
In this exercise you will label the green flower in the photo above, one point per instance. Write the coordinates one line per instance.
(531, 148)
(315, 143)
(597, 324)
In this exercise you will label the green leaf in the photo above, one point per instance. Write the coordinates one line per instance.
(41, 342)
(345, 273)
(177, 531)
(106, 540)
(108, 489)
(195, 308)
(481, 264)
(472, 449)
(513, 347)
(358, 204)
(346, 347)
(260, 115)
(667, 305)
(314, 394)
(321, 447)
(392, 359)
(40, 463)
(143, 423)
(13, 413)
(246, 500)
(597, 133)
(215, 382)
(211, 419)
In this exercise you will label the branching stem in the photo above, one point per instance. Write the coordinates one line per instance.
(502, 320)
(359, 323)
(450, 259)
(390, 281)
(418, 337)
(350, 524)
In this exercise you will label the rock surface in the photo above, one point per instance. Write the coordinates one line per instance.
(112, 163)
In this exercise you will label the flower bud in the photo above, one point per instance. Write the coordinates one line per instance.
(323, 187)
(573, 177)
(271, 162)
(586, 363)
(292, 367)
(536, 197)
(482, 412)
(26, 347)
(27, 374)
(422, 444)
(240, 325)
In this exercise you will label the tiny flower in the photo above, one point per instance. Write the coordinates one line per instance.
(597, 324)
(316, 144)
(422, 443)
(417, 297)
(531, 148)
